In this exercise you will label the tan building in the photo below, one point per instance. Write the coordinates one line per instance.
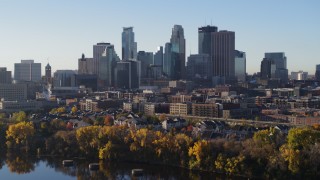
(181, 109)
(205, 110)
(149, 109)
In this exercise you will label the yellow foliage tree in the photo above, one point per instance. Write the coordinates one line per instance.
(74, 109)
(19, 116)
(88, 139)
(20, 133)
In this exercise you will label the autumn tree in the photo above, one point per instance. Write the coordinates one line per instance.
(74, 109)
(19, 116)
(108, 120)
(88, 139)
(299, 141)
(19, 134)
(201, 155)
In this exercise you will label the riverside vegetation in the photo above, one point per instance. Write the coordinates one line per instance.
(268, 154)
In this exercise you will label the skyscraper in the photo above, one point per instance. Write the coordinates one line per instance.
(204, 39)
(240, 65)
(280, 61)
(27, 70)
(146, 59)
(127, 75)
(85, 65)
(98, 49)
(158, 57)
(317, 75)
(5, 76)
(267, 68)
(107, 64)
(178, 50)
(222, 49)
(199, 67)
(167, 66)
(129, 46)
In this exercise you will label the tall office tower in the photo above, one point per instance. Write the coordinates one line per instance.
(107, 64)
(317, 75)
(167, 66)
(178, 50)
(222, 48)
(240, 65)
(85, 65)
(127, 75)
(63, 78)
(300, 75)
(5, 76)
(199, 67)
(204, 39)
(280, 61)
(146, 60)
(158, 56)
(267, 69)
(27, 70)
(98, 49)
(129, 46)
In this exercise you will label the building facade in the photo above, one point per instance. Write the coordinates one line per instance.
(85, 65)
(178, 53)
(240, 65)
(223, 48)
(129, 46)
(199, 66)
(5, 76)
(27, 70)
(127, 75)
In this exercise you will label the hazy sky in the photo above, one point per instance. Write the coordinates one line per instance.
(59, 31)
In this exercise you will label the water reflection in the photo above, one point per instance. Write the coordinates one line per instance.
(23, 165)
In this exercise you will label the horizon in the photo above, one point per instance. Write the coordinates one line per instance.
(58, 32)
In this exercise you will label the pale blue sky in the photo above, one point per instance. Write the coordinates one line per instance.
(59, 31)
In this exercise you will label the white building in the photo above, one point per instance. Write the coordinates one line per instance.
(300, 75)
(240, 65)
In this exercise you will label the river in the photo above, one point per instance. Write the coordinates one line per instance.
(19, 166)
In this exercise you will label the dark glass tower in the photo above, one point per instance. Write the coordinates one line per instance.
(204, 39)
(178, 49)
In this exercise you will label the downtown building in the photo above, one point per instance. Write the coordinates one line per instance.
(317, 74)
(129, 46)
(27, 70)
(240, 65)
(107, 65)
(127, 74)
(85, 65)
(274, 66)
(175, 55)
(5, 76)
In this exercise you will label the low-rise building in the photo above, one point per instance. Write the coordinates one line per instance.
(180, 109)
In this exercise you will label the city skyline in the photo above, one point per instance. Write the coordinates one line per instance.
(59, 32)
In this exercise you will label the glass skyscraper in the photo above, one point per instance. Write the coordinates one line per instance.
(178, 50)
(129, 46)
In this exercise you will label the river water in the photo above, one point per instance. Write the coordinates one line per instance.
(13, 166)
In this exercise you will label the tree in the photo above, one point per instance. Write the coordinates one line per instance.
(19, 116)
(108, 120)
(20, 133)
(61, 110)
(162, 117)
(74, 109)
(88, 139)
(201, 155)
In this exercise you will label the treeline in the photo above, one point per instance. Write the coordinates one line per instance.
(269, 154)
